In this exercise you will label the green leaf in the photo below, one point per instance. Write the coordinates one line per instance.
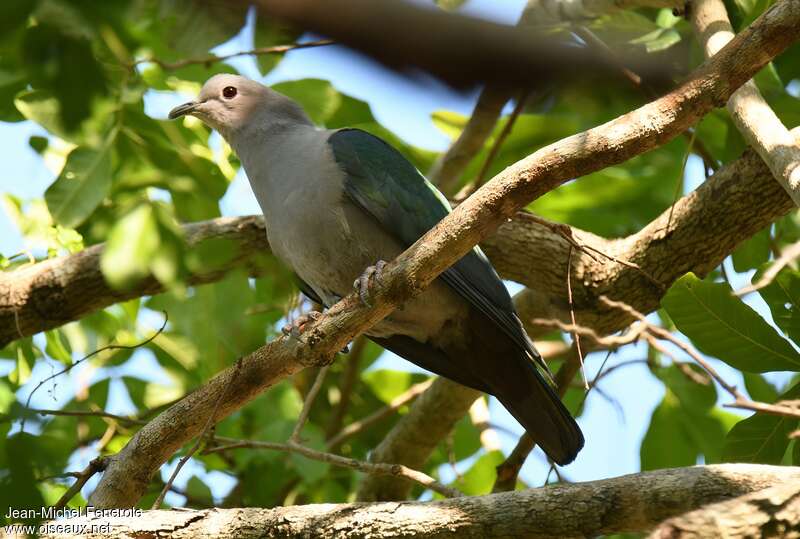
(309, 469)
(480, 478)
(758, 388)
(761, 438)
(752, 253)
(132, 243)
(7, 397)
(387, 384)
(450, 4)
(44, 109)
(658, 40)
(269, 33)
(64, 64)
(25, 356)
(199, 491)
(57, 347)
(783, 298)
(39, 144)
(318, 97)
(82, 185)
(721, 325)
(146, 240)
(685, 425)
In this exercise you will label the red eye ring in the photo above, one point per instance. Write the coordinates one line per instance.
(229, 92)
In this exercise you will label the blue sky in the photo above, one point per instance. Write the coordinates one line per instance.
(613, 429)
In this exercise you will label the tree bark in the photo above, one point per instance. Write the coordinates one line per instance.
(772, 512)
(634, 502)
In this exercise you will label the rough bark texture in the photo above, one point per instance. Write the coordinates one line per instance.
(772, 512)
(627, 503)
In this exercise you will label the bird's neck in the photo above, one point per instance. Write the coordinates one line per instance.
(272, 148)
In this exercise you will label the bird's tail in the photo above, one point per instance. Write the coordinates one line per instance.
(507, 372)
(532, 401)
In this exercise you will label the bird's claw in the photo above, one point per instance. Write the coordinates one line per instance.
(297, 326)
(366, 281)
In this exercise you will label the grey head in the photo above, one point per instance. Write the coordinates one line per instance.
(232, 104)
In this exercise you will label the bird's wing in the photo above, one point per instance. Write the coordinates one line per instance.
(383, 183)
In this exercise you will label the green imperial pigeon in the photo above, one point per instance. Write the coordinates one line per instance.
(337, 203)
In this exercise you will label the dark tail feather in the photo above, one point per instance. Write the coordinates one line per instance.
(511, 376)
(539, 409)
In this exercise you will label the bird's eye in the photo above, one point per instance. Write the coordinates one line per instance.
(229, 92)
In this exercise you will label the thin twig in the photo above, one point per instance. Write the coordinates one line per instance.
(96, 465)
(679, 183)
(665, 335)
(780, 408)
(309, 401)
(206, 428)
(211, 59)
(401, 400)
(788, 255)
(90, 413)
(397, 470)
(576, 336)
(347, 384)
(610, 342)
(87, 356)
(495, 149)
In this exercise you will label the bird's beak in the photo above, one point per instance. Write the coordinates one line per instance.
(183, 110)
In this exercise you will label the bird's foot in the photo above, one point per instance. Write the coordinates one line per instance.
(298, 325)
(366, 281)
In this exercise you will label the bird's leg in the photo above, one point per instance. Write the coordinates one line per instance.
(297, 326)
(367, 280)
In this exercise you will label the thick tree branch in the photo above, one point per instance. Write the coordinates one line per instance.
(629, 503)
(754, 118)
(771, 512)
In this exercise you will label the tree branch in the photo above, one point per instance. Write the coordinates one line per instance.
(211, 59)
(754, 118)
(771, 512)
(628, 503)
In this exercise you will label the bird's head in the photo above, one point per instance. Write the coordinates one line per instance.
(226, 103)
